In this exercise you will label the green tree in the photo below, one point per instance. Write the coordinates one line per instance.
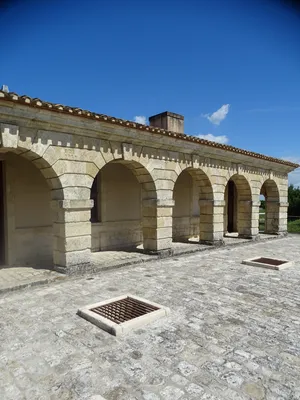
(294, 201)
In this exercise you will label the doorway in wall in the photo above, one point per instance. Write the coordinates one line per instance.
(231, 207)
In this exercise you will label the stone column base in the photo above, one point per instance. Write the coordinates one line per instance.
(181, 239)
(216, 243)
(284, 233)
(281, 234)
(160, 253)
(250, 237)
(78, 269)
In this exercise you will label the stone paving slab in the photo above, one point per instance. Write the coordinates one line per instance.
(232, 334)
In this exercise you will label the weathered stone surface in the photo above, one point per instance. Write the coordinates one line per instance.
(254, 390)
(233, 333)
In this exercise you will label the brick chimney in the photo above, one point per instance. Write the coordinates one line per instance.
(168, 121)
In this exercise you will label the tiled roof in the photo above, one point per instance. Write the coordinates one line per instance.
(37, 103)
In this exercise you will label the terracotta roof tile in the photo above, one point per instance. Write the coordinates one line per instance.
(38, 103)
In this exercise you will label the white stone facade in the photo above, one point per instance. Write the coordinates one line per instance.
(150, 188)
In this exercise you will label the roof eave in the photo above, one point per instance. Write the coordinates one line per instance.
(38, 103)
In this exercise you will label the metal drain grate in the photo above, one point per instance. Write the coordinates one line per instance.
(271, 261)
(122, 314)
(124, 310)
(266, 262)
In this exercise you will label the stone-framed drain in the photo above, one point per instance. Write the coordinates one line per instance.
(268, 262)
(122, 314)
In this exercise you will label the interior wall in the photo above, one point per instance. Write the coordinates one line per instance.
(195, 210)
(28, 214)
(242, 215)
(235, 214)
(226, 211)
(119, 209)
(235, 208)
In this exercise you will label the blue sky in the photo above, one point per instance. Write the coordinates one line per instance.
(232, 68)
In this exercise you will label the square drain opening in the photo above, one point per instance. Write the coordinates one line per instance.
(267, 262)
(124, 310)
(122, 314)
(271, 261)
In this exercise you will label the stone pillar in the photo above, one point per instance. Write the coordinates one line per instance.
(255, 219)
(157, 226)
(72, 235)
(271, 217)
(211, 221)
(248, 219)
(283, 214)
(276, 217)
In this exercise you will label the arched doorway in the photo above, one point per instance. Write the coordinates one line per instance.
(26, 237)
(270, 194)
(237, 216)
(123, 216)
(193, 208)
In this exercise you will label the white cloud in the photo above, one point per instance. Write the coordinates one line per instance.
(219, 139)
(140, 119)
(294, 177)
(218, 116)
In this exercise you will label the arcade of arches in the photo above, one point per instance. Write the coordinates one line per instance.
(125, 213)
(70, 186)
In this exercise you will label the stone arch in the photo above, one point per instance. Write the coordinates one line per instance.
(238, 206)
(270, 191)
(63, 243)
(40, 163)
(28, 218)
(193, 205)
(31, 146)
(124, 212)
(269, 188)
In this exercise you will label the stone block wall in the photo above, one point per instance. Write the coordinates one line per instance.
(116, 235)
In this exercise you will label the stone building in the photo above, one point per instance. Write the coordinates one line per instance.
(75, 182)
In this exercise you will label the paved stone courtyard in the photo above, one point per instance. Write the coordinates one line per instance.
(233, 332)
(14, 278)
